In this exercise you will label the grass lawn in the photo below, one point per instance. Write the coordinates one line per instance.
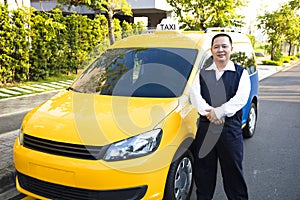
(47, 80)
(17, 89)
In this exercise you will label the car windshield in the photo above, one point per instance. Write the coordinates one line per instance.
(138, 72)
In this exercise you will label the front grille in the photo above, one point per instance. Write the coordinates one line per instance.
(61, 192)
(64, 149)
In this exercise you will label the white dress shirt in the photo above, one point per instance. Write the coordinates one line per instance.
(230, 107)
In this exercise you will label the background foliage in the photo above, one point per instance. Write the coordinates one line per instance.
(36, 45)
(202, 14)
(282, 25)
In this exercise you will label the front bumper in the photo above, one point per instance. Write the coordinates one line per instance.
(41, 175)
(55, 191)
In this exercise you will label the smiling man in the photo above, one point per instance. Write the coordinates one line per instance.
(223, 91)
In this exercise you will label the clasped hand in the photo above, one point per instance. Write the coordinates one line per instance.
(212, 117)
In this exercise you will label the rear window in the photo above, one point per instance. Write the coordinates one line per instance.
(138, 72)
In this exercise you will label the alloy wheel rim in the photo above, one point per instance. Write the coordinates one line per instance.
(252, 120)
(183, 179)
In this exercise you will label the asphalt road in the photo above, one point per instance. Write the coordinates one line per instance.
(15, 109)
(11, 122)
(272, 155)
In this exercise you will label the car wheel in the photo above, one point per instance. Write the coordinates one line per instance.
(179, 183)
(249, 129)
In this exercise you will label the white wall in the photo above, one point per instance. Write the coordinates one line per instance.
(150, 4)
(13, 4)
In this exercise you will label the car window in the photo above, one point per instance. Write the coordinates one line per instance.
(259, 54)
(246, 61)
(240, 58)
(244, 55)
(138, 72)
(208, 62)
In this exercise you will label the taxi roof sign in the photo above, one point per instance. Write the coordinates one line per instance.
(168, 24)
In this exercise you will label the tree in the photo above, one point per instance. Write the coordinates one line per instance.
(111, 7)
(6, 46)
(201, 14)
(293, 31)
(281, 25)
(43, 39)
(295, 4)
(272, 25)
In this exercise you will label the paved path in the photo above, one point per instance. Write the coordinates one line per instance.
(10, 106)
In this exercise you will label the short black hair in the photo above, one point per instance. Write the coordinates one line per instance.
(221, 35)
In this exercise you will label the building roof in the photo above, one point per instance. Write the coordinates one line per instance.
(137, 6)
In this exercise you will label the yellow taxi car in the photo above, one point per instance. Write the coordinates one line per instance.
(123, 129)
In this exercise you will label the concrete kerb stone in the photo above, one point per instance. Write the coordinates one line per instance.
(12, 92)
(21, 90)
(272, 69)
(7, 170)
(5, 95)
(23, 107)
(7, 180)
(266, 71)
(7, 176)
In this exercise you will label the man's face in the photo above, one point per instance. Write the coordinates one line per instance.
(221, 49)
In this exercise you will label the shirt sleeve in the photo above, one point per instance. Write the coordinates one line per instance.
(196, 99)
(238, 101)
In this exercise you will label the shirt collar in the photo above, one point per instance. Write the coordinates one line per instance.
(229, 67)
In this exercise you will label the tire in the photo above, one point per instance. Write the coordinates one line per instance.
(249, 129)
(179, 183)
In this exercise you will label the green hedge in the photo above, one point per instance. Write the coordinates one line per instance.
(284, 59)
(36, 45)
(272, 62)
(14, 45)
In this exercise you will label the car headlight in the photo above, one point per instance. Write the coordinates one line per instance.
(134, 147)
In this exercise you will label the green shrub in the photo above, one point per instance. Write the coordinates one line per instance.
(118, 29)
(138, 28)
(285, 59)
(38, 45)
(298, 55)
(14, 45)
(272, 62)
(127, 29)
(293, 57)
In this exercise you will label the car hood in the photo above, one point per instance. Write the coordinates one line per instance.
(95, 119)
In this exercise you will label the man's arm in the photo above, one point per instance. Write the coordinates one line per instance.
(196, 99)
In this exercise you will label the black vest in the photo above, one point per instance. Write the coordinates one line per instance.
(217, 92)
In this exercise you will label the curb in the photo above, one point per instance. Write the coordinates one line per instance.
(29, 95)
(25, 96)
(291, 65)
(279, 69)
(7, 182)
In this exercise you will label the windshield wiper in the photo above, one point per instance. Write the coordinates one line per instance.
(70, 88)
